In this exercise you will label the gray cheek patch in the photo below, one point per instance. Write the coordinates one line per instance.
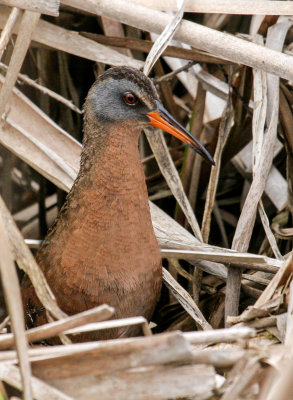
(108, 103)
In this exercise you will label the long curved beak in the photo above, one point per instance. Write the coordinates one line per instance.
(161, 118)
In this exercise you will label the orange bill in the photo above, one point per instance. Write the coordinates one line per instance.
(161, 118)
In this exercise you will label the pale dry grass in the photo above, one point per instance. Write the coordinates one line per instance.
(237, 99)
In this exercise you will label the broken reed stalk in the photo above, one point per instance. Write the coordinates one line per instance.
(41, 391)
(49, 7)
(261, 7)
(201, 37)
(107, 357)
(54, 36)
(55, 328)
(27, 26)
(219, 335)
(12, 294)
(8, 29)
(251, 261)
(182, 381)
(145, 46)
(114, 323)
(185, 300)
(163, 39)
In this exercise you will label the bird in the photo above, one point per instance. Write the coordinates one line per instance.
(102, 248)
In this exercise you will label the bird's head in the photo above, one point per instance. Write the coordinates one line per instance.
(124, 94)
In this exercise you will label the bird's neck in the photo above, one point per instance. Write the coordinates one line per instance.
(110, 158)
(111, 171)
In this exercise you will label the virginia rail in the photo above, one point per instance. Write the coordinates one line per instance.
(102, 247)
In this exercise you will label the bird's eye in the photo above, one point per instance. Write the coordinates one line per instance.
(130, 98)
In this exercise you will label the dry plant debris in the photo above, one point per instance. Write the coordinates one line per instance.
(224, 70)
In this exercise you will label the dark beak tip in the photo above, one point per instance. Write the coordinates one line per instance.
(211, 161)
(161, 118)
(204, 154)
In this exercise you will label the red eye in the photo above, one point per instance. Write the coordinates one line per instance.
(130, 98)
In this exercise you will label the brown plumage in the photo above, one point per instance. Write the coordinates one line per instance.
(102, 247)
